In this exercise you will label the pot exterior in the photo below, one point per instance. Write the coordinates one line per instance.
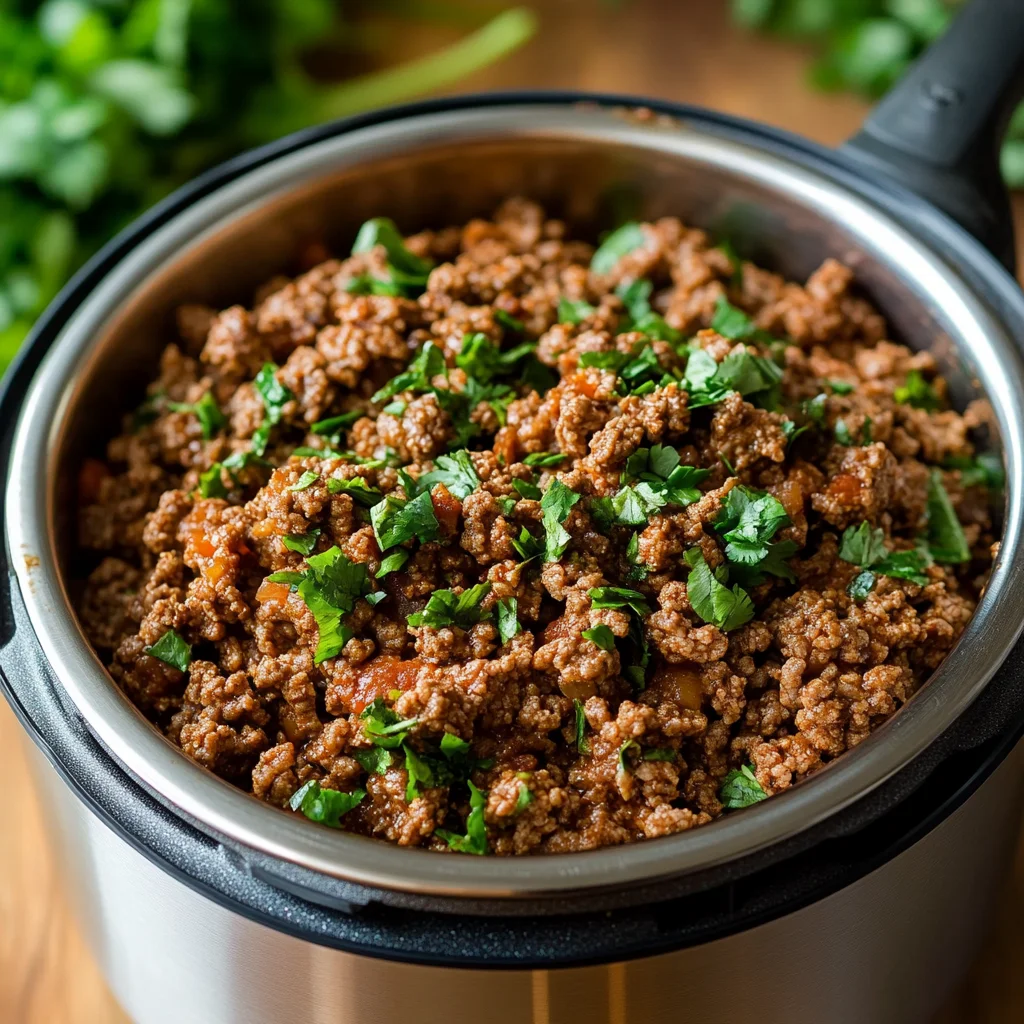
(885, 950)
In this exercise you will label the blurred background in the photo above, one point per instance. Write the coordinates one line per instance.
(108, 105)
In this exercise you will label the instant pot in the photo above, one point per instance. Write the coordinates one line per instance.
(857, 897)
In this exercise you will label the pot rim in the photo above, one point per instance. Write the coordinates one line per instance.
(207, 799)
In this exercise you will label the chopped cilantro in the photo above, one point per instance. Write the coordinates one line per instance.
(734, 324)
(946, 539)
(172, 650)
(748, 520)
(356, 488)
(302, 543)
(306, 480)
(383, 727)
(445, 608)
(393, 562)
(621, 241)
(861, 545)
(660, 754)
(754, 377)
(740, 788)
(545, 460)
(395, 521)
(619, 597)
(844, 437)
(527, 546)
(601, 636)
(983, 470)
(582, 744)
(330, 588)
(475, 839)
(637, 569)
(814, 408)
(484, 360)
(395, 408)
(508, 621)
(573, 311)
(524, 799)
(640, 316)
(624, 751)
(737, 264)
(275, 395)
(407, 271)
(841, 387)
(916, 391)
(506, 503)
(367, 284)
(455, 471)
(555, 504)
(711, 599)
(376, 760)
(211, 482)
(333, 424)
(418, 772)
(508, 321)
(206, 410)
(326, 806)
(527, 489)
(427, 364)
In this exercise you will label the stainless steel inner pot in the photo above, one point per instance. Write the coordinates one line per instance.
(443, 168)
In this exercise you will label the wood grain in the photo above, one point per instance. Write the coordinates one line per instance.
(683, 51)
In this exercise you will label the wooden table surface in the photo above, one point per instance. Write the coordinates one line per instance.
(679, 50)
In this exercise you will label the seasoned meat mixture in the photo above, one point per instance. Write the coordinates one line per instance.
(488, 540)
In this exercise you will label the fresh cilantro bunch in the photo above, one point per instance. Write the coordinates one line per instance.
(105, 107)
(865, 47)
(864, 546)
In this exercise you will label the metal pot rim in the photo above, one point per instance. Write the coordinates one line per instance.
(219, 807)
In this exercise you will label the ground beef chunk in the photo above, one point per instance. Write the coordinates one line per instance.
(545, 590)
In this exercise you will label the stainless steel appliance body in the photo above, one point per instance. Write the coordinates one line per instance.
(857, 896)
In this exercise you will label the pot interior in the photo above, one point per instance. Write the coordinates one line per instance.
(593, 167)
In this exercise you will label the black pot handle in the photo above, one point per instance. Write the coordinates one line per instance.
(939, 130)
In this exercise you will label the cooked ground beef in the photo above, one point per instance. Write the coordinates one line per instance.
(483, 540)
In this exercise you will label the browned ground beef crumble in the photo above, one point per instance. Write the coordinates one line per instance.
(575, 741)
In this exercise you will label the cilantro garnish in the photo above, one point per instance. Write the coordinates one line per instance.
(713, 601)
(639, 370)
(621, 241)
(330, 588)
(841, 387)
(946, 539)
(619, 597)
(393, 562)
(375, 761)
(544, 460)
(582, 744)
(555, 505)
(740, 788)
(326, 806)
(661, 481)
(601, 636)
(748, 520)
(525, 797)
(844, 437)
(172, 650)
(637, 569)
(527, 489)
(427, 364)
(395, 408)
(508, 321)
(484, 360)
(333, 425)
(752, 376)
(274, 395)
(864, 546)
(418, 773)
(303, 543)
(916, 391)
(983, 470)
(640, 316)
(455, 471)
(395, 521)
(383, 727)
(305, 481)
(660, 754)
(508, 620)
(734, 258)
(445, 608)
(367, 284)
(407, 271)
(475, 839)
(734, 324)
(211, 483)
(574, 311)
(206, 410)
(356, 488)
(814, 408)
(627, 746)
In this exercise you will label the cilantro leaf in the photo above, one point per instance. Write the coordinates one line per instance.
(754, 377)
(172, 650)
(527, 489)
(624, 750)
(841, 387)
(864, 546)
(601, 636)
(544, 460)
(455, 471)
(660, 754)
(555, 505)
(844, 437)
(375, 761)
(619, 597)
(484, 360)
(395, 521)
(713, 601)
(367, 284)
(334, 424)
(731, 322)
(638, 570)
(740, 788)
(302, 543)
(407, 271)
(574, 311)
(525, 797)
(206, 410)
(445, 608)
(582, 744)
(211, 482)
(305, 481)
(275, 395)
(393, 562)
(508, 321)
(983, 470)
(326, 806)
(917, 392)
(619, 243)
(427, 364)
(383, 727)
(747, 522)
(508, 621)
(773, 564)
(946, 539)
(418, 773)
(640, 316)
(475, 839)
(861, 585)
(356, 488)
